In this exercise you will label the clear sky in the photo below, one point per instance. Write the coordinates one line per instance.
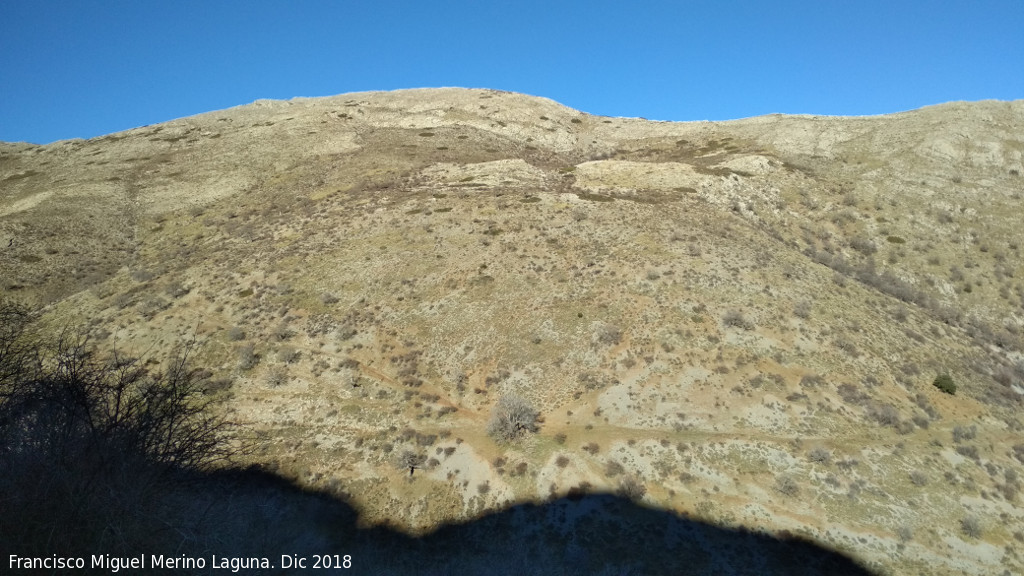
(78, 69)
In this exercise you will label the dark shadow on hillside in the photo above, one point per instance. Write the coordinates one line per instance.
(255, 513)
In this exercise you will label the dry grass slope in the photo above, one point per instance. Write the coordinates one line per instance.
(739, 321)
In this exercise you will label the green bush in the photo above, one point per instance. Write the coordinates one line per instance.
(945, 383)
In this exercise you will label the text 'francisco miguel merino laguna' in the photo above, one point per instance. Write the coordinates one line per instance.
(117, 563)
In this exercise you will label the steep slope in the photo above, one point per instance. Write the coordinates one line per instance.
(740, 321)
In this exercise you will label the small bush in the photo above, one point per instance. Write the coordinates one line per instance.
(281, 333)
(962, 433)
(885, 414)
(346, 332)
(631, 488)
(968, 451)
(918, 478)
(820, 455)
(802, 309)
(613, 469)
(811, 381)
(610, 335)
(736, 319)
(175, 289)
(247, 357)
(863, 245)
(971, 526)
(851, 394)
(945, 383)
(787, 485)
(235, 334)
(511, 418)
(410, 459)
(288, 354)
(276, 376)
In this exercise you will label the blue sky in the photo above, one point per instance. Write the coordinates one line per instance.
(82, 69)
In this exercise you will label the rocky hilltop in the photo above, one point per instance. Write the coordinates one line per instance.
(739, 322)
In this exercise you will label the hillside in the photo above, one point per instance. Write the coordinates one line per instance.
(739, 322)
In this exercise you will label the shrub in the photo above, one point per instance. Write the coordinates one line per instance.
(820, 455)
(968, 451)
(945, 383)
(410, 459)
(175, 289)
(971, 526)
(235, 334)
(787, 485)
(863, 245)
(961, 433)
(281, 333)
(884, 413)
(276, 376)
(512, 417)
(288, 354)
(609, 334)
(346, 332)
(802, 309)
(918, 478)
(247, 357)
(735, 318)
(811, 381)
(631, 488)
(851, 394)
(99, 442)
(613, 469)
